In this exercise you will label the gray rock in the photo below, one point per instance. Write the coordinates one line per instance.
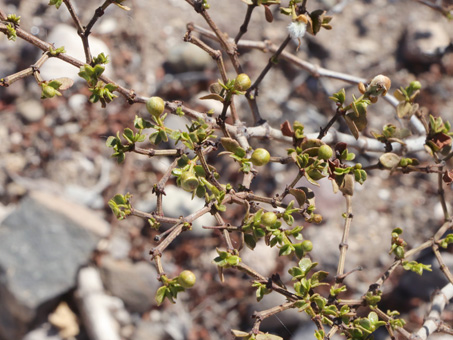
(149, 330)
(425, 41)
(186, 57)
(31, 110)
(43, 243)
(135, 284)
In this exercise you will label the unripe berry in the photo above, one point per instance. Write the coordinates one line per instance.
(415, 85)
(189, 181)
(268, 219)
(307, 246)
(325, 152)
(260, 157)
(187, 279)
(242, 82)
(49, 91)
(155, 106)
(317, 218)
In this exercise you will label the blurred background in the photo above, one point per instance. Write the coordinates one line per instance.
(60, 243)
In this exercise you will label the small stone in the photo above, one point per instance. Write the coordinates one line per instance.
(187, 57)
(135, 284)
(31, 110)
(425, 41)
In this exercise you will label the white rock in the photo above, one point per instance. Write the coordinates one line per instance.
(64, 35)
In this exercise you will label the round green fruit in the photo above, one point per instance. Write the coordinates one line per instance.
(268, 219)
(155, 106)
(317, 218)
(307, 246)
(187, 279)
(325, 152)
(242, 82)
(260, 157)
(189, 181)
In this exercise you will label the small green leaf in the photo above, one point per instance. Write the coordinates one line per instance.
(160, 295)
(56, 3)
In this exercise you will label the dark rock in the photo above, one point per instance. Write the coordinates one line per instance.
(43, 243)
(135, 284)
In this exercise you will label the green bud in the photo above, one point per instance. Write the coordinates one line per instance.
(325, 152)
(242, 82)
(187, 279)
(307, 246)
(189, 181)
(415, 85)
(155, 106)
(260, 157)
(269, 218)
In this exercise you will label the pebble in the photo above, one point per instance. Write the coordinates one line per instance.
(31, 110)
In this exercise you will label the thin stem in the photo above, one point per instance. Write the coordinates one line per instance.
(441, 193)
(160, 219)
(323, 131)
(225, 231)
(158, 189)
(243, 28)
(157, 251)
(272, 61)
(97, 14)
(387, 318)
(81, 31)
(252, 98)
(32, 70)
(74, 16)
(154, 152)
(344, 241)
(209, 175)
(251, 272)
(269, 200)
(262, 315)
(443, 266)
(299, 175)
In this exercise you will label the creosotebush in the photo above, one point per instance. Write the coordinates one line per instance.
(223, 134)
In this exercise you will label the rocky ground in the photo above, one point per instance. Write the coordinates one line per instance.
(63, 256)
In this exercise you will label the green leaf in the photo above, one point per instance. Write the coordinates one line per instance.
(56, 3)
(112, 141)
(250, 241)
(286, 249)
(160, 295)
(373, 317)
(129, 135)
(101, 59)
(319, 334)
(13, 18)
(446, 241)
